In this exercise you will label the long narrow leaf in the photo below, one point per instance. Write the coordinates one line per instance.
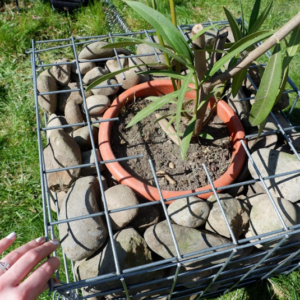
(184, 88)
(254, 14)
(292, 46)
(164, 27)
(171, 74)
(161, 101)
(268, 89)
(238, 47)
(261, 19)
(203, 31)
(237, 81)
(283, 83)
(186, 139)
(233, 24)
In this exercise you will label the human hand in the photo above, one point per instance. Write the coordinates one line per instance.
(16, 265)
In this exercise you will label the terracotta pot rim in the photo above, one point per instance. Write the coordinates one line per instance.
(159, 87)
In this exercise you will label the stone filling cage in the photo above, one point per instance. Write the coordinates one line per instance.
(229, 270)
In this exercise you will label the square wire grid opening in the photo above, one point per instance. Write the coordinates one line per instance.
(176, 282)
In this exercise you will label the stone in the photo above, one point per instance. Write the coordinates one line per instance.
(73, 114)
(62, 72)
(108, 88)
(95, 50)
(56, 199)
(135, 61)
(189, 211)
(128, 78)
(47, 83)
(266, 141)
(84, 67)
(94, 74)
(89, 158)
(237, 216)
(131, 250)
(83, 139)
(147, 216)
(97, 104)
(254, 189)
(271, 162)
(54, 121)
(61, 152)
(96, 119)
(264, 219)
(68, 96)
(283, 103)
(158, 238)
(81, 238)
(151, 60)
(121, 196)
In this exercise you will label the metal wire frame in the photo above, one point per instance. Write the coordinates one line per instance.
(233, 272)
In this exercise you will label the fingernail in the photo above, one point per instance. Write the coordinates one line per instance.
(40, 240)
(54, 242)
(11, 236)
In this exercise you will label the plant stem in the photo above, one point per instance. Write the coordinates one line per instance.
(173, 12)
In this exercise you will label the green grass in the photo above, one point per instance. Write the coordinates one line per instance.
(20, 189)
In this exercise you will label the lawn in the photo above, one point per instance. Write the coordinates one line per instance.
(20, 187)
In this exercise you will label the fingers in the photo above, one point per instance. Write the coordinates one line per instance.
(21, 268)
(37, 282)
(15, 255)
(7, 242)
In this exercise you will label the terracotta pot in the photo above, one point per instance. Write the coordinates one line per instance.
(158, 88)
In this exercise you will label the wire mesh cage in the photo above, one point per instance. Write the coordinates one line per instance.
(191, 263)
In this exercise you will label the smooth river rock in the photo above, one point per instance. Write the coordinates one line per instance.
(61, 152)
(83, 139)
(88, 157)
(84, 67)
(189, 211)
(97, 104)
(94, 74)
(73, 114)
(81, 238)
(271, 162)
(62, 72)
(121, 196)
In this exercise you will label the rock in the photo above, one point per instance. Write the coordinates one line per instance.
(121, 196)
(81, 238)
(190, 211)
(254, 74)
(94, 74)
(135, 61)
(89, 158)
(108, 88)
(283, 103)
(56, 199)
(128, 78)
(62, 72)
(61, 152)
(84, 67)
(83, 139)
(236, 214)
(75, 96)
(271, 162)
(254, 189)
(96, 119)
(54, 121)
(131, 251)
(73, 114)
(159, 239)
(266, 141)
(94, 50)
(147, 216)
(47, 83)
(97, 104)
(263, 218)
(151, 60)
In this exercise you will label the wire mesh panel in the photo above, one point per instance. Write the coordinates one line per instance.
(104, 260)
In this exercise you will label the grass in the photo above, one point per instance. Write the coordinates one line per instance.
(20, 189)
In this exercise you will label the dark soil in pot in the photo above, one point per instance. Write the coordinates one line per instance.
(148, 138)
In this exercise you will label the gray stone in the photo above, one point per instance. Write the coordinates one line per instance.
(264, 219)
(56, 199)
(81, 238)
(95, 119)
(266, 141)
(84, 67)
(236, 214)
(254, 189)
(121, 196)
(94, 74)
(158, 238)
(73, 114)
(131, 250)
(83, 139)
(54, 121)
(62, 151)
(62, 72)
(189, 211)
(89, 158)
(108, 88)
(97, 104)
(47, 83)
(271, 162)
(135, 61)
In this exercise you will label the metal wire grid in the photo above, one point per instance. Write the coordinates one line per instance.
(232, 272)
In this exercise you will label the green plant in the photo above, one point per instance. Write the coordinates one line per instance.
(207, 78)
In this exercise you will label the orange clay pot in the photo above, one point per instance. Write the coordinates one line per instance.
(159, 88)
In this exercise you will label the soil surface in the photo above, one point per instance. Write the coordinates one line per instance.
(148, 138)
